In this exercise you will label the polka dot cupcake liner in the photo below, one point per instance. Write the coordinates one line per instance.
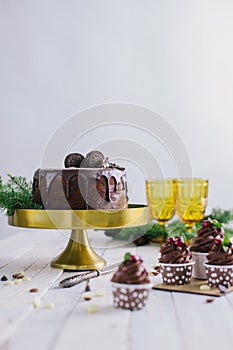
(219, 275)
(130, 296)
(176, 274)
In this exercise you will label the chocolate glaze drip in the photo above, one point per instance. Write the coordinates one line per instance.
(172, 254)
(131, 272)
(73, 188)
(204, 240)
(217, 256)
(35, 187)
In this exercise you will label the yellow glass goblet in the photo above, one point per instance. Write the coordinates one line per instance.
(191, 200)
(161, 199)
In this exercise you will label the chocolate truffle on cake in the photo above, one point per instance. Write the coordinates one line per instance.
(94, 159)
(74, 160)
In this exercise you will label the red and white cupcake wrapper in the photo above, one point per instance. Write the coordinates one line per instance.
(130, 296)
(176, 274)
(219, 275)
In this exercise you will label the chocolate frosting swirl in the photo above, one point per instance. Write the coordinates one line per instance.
(174, 254)
(217, 256)
(131, 272)
(204, 240)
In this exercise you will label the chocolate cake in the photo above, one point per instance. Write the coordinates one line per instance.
(102, 186)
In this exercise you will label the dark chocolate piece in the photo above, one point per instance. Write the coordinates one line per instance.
(74, 160)
(94, 159)
(142, 240)
(4, 278)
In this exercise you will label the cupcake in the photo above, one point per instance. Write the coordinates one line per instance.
(202, 244)
(131, 284)
(175, 262)
(219, 264)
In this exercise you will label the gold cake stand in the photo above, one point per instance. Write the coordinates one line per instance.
(78, 254)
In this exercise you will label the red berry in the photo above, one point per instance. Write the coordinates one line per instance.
(180, 242)
(206, 223)
(171, 240)
(133, 258)
(218, 241)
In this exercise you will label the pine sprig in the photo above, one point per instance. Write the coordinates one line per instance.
(223, 216)
(16, 194)
(158, 233)
(19, 184)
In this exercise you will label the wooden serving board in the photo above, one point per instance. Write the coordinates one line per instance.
(193, 287)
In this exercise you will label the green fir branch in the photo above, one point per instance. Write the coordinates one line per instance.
(175, 228)
(16, 194)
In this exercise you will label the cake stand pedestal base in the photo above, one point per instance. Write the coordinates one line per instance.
(78, 254)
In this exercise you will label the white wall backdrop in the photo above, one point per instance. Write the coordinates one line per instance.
(172, 56)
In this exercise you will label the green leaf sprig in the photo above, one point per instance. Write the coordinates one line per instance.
(222, 215)
(215, 222)
(16, 194)
(127, 257)
(160, 233)
(226, 244)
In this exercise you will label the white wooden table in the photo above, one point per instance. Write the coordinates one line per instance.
(169, 321)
